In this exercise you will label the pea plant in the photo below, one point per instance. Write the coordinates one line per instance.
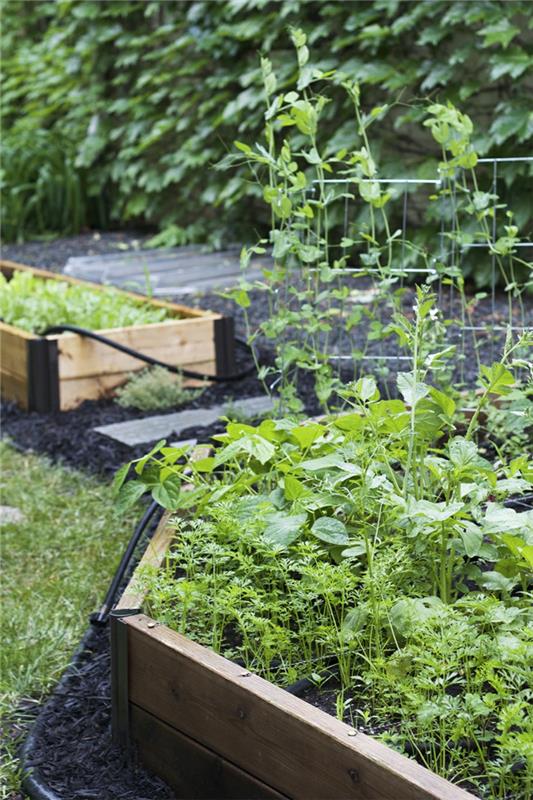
(309, 187)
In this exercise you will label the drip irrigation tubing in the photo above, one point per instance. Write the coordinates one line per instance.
(101, 616)
(155, 362)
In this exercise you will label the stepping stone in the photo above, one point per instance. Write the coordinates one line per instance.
(9, 515)
(167, 272)
(161, 426)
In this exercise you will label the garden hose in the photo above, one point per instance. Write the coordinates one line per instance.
(155, 362)
(101, 616)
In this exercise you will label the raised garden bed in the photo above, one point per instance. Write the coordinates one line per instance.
(211, 729)
(58, 372)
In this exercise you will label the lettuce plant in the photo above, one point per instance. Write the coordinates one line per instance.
(34, 304)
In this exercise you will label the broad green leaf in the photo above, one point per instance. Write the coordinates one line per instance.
(168, 494)
(130, 493)
(472, 539)
(283, 529)
(306, 435)
(330, 530)
(293, 487)
(410, 389)
(329, 462)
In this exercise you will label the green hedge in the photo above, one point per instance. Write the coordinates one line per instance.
(146, 97)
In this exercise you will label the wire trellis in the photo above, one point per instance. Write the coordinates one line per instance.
(469, 336)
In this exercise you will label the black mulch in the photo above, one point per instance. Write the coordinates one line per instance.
(73, 751)
(69, 437)
(54, 253)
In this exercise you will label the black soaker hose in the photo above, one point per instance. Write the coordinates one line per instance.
(188, 373)
(101, 616)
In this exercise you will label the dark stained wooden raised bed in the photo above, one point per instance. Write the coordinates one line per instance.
(213, 730)
(52, 373)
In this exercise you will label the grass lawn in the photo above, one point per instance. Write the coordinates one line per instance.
(56, 564)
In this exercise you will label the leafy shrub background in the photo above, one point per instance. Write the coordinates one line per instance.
(149, 96)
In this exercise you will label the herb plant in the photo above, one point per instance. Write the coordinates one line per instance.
(34, 304)
(154, 389)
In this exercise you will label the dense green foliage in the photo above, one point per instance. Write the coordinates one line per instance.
(34, 304)
(146, 97)
(373, 554)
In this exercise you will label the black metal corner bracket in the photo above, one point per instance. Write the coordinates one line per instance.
(224, 337)
(120, 704)
(43, 375)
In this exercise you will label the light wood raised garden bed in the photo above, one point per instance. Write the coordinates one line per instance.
(213, 730)
(52, 373)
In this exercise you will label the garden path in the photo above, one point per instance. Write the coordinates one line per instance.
(166, 272)
(161, 426)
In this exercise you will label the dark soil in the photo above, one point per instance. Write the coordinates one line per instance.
(69, 437)
(53, 254)
(73, 751)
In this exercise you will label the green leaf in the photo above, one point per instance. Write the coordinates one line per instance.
(434, 512)
(354, 550)
(283, 529)
(130, 493)
(497, 379)
(168, 494)
(330, 530)
(120, 476)
(472, 539)
(307, 434)
(329, 462)
(446, 403)
(293, 487)
(410, 389)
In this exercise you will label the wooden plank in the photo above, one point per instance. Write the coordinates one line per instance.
(133, 596)
(191, 770)
(8, 267)
(176, 342)
(14, 387)
(14, 363)
(14, 350)
(281, 740)
(72, 391)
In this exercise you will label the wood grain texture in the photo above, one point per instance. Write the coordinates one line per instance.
(14, 387)
(14, 363)
(190, 769)
(280, 739)
(157, 548)
(176, 342)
